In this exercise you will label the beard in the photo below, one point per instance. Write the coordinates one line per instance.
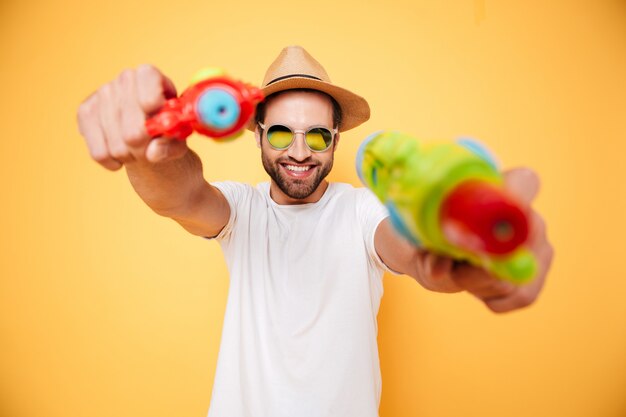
(294, 187)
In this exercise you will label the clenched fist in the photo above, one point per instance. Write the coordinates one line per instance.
(112, 119)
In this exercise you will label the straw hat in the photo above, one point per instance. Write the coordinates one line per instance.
(296, 68)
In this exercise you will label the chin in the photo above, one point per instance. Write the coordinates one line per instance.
(296, 188)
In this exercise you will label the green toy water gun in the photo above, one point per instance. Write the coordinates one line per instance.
(449, 198)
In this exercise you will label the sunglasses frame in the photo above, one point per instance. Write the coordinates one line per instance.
(294, 132)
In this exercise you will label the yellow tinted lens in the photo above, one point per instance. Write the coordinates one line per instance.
(318, 138)
(279, 136)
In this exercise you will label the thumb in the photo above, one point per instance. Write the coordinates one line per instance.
(163, 149)
(437, 273)
(523, 183)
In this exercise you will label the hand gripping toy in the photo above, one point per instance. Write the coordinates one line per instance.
(449, 198)
(214, 105)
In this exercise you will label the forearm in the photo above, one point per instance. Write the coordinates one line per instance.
(167, 187)
(429, 270)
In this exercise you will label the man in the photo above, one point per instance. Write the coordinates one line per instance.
(306, 257)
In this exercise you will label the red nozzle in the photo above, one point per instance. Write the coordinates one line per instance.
(480, 217)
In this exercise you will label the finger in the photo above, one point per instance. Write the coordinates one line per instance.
(541, 248)
(164, 149)
(169, 89)
(110, 121)
(423, 268)
(433, 272)
(480, 282)
(525, 295)
(537, 233)
(495, 290)
(440, 267)
(153, 88)
(90, 128)
(523, 183)
(132, 116)
(522, 297)
(538, 243)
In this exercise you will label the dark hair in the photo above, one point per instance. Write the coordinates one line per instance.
(260, 108)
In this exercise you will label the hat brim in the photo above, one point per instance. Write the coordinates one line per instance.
(354, 108)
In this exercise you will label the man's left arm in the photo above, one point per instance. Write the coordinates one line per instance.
(442, 274)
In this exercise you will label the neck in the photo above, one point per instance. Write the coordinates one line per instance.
(281, 198)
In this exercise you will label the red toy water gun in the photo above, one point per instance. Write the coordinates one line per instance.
(215, 105)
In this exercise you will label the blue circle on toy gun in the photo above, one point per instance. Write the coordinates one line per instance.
(218, 109)
(478, 149)
(360, 155)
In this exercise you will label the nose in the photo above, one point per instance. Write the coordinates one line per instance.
(299, 151)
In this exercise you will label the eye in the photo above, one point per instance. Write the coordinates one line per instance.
(319, 138)
(218, 109)
(279, 136)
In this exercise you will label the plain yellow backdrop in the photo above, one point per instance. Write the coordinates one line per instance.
(109, 310)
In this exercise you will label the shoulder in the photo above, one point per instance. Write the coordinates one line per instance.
(360, 195)
(360, 200)
(230, 185)
(236, 193)
(365, 197)
(342, 189)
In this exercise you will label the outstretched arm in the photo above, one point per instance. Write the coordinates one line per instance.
(165, 173)
(442, 274)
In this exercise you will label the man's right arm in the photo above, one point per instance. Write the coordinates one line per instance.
(165, 173)
(177, 189)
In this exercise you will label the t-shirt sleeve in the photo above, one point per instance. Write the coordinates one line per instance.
(235, 193)
(371, 213)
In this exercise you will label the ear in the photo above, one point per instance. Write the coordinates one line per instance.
(257, 136)
(336, 142)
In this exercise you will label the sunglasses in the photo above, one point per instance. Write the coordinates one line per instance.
(317, 138)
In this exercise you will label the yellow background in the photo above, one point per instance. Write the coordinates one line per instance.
(109, 310)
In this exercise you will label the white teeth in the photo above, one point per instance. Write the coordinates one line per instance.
(297, 168)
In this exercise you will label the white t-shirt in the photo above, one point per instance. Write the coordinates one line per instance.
(299, 334)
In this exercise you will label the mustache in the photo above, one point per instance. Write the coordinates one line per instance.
(290, 160)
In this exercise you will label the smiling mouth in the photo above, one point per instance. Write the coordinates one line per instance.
(297, 168)
(298, 171)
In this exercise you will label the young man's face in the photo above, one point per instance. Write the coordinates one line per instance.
(297, 171)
